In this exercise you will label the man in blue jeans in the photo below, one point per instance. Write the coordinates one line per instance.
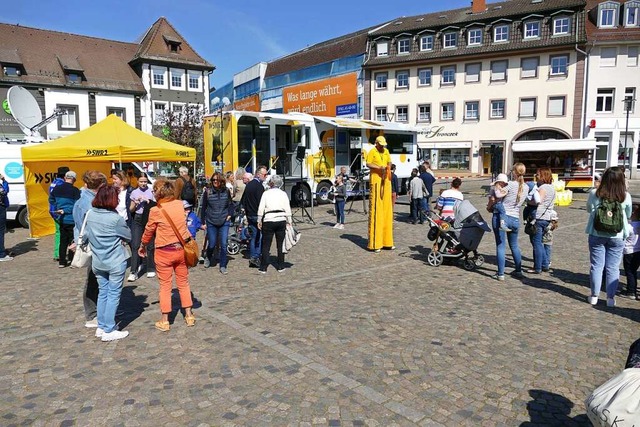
(250, 202)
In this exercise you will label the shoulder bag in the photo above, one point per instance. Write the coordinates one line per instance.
(83, 254)
(190, 246)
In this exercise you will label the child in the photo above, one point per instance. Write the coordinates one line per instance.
(339, 194)
(497, 193)
(547, 237)
(631, 257)
(193, 222)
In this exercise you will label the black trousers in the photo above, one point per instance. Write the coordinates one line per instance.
(268, 230)
(66, 237)
(631, 264)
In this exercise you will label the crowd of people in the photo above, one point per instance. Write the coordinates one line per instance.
(143, 229)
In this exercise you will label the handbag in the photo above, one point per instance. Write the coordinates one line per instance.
(530, 226)
(190, 246)
(83, 254)
(615, 403)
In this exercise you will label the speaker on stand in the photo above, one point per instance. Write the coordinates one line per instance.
(299, 194)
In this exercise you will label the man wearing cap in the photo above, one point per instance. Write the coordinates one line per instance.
(380, 201)
(64, 196)
(57, 181)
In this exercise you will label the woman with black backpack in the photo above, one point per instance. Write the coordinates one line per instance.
(609, 208)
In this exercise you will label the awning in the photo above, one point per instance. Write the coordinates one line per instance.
(553, 145)
(365, 124)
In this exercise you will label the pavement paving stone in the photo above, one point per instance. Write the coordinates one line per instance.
(342, 337)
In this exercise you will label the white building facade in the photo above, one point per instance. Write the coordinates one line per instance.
(613, 79)
(476, 81)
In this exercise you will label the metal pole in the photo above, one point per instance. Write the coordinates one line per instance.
(221, 143)
(628, 102)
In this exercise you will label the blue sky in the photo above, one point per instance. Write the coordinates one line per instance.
(232, 35)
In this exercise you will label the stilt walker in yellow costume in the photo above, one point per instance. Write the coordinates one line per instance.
(380, 202)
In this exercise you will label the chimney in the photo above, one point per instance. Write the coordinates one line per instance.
(478, 6)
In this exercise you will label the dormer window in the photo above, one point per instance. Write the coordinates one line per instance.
(173, 43)
(404, 46)
(631, 14)
(382, 48)
(531, 30)
(426, 43)
(11, 63)
(561, 25)
(501, 33)
(608, 13)
(73, 78)
(12, 70)
(474, 37)
(450, 40)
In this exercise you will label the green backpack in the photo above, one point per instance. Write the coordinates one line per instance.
(609, 217)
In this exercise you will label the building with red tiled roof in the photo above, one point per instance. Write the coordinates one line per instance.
(90, 77)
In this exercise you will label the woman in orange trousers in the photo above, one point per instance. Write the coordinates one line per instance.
(169, 254)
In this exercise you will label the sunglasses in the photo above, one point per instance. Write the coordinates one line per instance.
(215, 180)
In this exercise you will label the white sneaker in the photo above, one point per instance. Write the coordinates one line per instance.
(611, 302)
(151, 275)
(592, 300)
(6, 258)
(132, 278)
(99, 333)
(341, 227)
(114, 335)
(93, 323)
(336, 226)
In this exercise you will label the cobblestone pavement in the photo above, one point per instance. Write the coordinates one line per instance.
(343, 337)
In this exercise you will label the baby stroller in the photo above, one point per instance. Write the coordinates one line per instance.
(240, 233)
(457, 240)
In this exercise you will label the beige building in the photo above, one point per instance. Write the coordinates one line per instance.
(480, 81)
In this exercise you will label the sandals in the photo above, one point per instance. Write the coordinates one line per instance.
(162, 326)
(190, 320)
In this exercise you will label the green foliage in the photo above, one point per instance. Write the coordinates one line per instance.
(184, 128)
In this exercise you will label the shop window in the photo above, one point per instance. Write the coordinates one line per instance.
(604, 100)
(447, 111)
(529, 68)
(381, 81)
(424, 113)
(501, 33)
(498, 109)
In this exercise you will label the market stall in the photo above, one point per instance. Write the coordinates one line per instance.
(109, 141)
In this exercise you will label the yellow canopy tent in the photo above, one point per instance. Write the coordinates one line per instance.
(110, 140)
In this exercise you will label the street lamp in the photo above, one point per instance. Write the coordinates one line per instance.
(628, 106)
(220, 105)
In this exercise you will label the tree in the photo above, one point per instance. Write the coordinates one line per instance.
(183, 127)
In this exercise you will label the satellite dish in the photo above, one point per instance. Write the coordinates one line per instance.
(26, 112)
(25, 108)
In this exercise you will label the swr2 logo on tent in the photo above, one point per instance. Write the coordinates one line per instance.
(96, 152)
(182, 153)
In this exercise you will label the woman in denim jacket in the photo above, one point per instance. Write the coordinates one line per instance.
(216, 213)
(605, 250)
(108, 233)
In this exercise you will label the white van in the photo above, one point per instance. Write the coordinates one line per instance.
(12, 169)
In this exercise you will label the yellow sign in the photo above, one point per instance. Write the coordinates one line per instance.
(251, 103)
(322, 97)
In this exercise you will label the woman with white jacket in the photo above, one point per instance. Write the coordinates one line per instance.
(274, 214)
